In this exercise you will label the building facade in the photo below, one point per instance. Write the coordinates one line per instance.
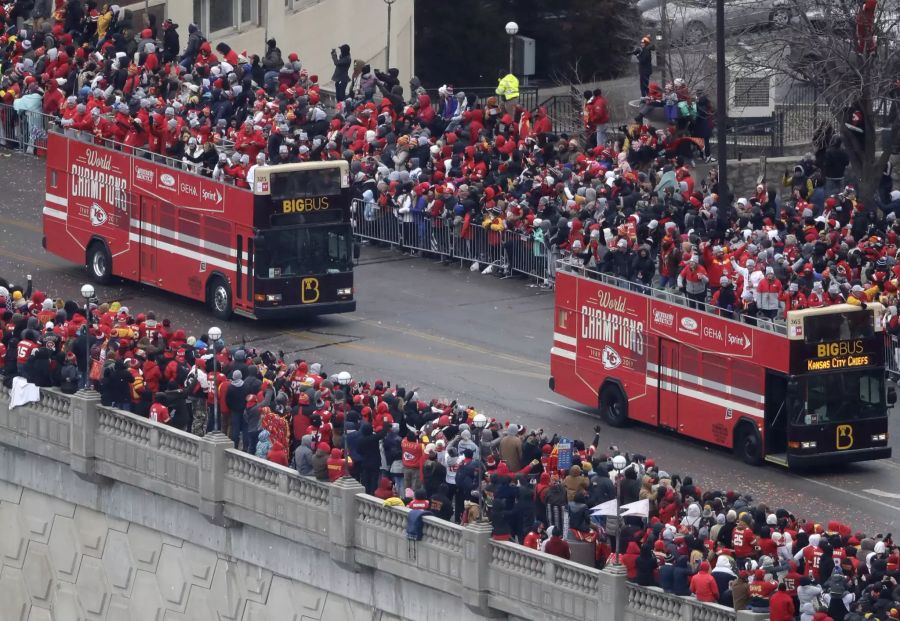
(312, 28)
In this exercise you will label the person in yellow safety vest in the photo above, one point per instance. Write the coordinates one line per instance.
(508, 89)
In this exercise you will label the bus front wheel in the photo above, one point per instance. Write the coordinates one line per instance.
(748, 444)
(614, 406)
(218, 298)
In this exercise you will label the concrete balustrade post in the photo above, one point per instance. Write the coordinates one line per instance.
(83, 418)
(342, 507)
(212, 476)
(613, 597)
(476, 565)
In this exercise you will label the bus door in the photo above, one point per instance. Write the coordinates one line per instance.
(668, 388)
(777, 417)
(149, 220)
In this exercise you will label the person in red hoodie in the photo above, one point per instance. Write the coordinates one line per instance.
(629, 559)
(556, 545)
(278, 454)
(337, 465)
(385, 489)
(781, 606)
(703, 585)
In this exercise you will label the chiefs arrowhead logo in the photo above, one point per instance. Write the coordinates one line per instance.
(98, 216)
(610, 358)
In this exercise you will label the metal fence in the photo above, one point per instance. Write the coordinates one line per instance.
(528, 95)
(24, 131)
(892, 356)
(500, 252)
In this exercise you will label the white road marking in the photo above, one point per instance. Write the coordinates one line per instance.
(847, 491)
(565, 407)
(878, 492)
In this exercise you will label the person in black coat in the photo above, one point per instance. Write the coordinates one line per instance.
(38, 368)
(236, 400)
(176, 400)
(115, 387)
(681, 576)
(341, 75)
(367, 448)
(646, 565)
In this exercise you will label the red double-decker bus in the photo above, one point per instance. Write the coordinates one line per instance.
(280, 249)
(800, 393)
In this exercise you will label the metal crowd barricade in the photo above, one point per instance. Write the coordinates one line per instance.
(504, 252)
(892, 356)
(24, 130)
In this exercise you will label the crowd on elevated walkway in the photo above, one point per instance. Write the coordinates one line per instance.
(446, 459)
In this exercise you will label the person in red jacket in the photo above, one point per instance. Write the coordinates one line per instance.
(629, 559)
(278, 454)
(249, 141)
(420, 501)
(703, 585)
(781, 606)
(760, 591)
(337, 465)
(598, 117)
(412, 457)
(742, 540)
(556, 545)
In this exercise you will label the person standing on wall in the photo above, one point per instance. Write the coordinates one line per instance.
(644, 53)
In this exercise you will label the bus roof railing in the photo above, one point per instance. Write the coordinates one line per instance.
(672, 297)
(156, 158)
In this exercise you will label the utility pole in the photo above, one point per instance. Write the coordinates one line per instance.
(387, 48)
(721, 107)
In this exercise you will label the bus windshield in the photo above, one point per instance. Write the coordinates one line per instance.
(840, 397)
(306, 183)
(299, 251)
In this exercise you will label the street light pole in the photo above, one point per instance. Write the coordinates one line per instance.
(721, 107)
(215, 334)
(387, 53)
(512, 28)
(618, 463)
(480, 421)
(87, 292)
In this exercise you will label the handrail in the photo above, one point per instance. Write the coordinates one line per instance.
(671, 297)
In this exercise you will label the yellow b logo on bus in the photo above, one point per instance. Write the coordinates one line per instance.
(309, 290)
(844, 437)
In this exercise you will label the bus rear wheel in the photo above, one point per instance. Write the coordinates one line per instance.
(218, 298)
(99, 263)
(748, 444)
(614, 406)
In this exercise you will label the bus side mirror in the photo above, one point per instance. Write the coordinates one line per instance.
(891, 395)
(356, 251)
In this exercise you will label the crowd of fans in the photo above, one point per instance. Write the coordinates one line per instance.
(449, 460)
(625, 202)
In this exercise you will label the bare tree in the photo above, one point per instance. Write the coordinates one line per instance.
(848, 54)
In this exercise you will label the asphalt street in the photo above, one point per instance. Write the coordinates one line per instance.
(459, 335)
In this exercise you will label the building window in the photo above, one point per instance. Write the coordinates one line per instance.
(299, 5)
(217, 15)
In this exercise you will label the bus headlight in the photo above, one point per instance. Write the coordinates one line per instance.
(808, 445)
(879, 437)
(345, 291)
(273, 297)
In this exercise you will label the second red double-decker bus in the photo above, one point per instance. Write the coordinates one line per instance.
(279, 249)
(809, 391)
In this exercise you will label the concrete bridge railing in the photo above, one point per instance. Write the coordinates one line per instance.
(231, 488)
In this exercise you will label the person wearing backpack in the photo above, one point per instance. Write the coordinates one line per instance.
(556, 501)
